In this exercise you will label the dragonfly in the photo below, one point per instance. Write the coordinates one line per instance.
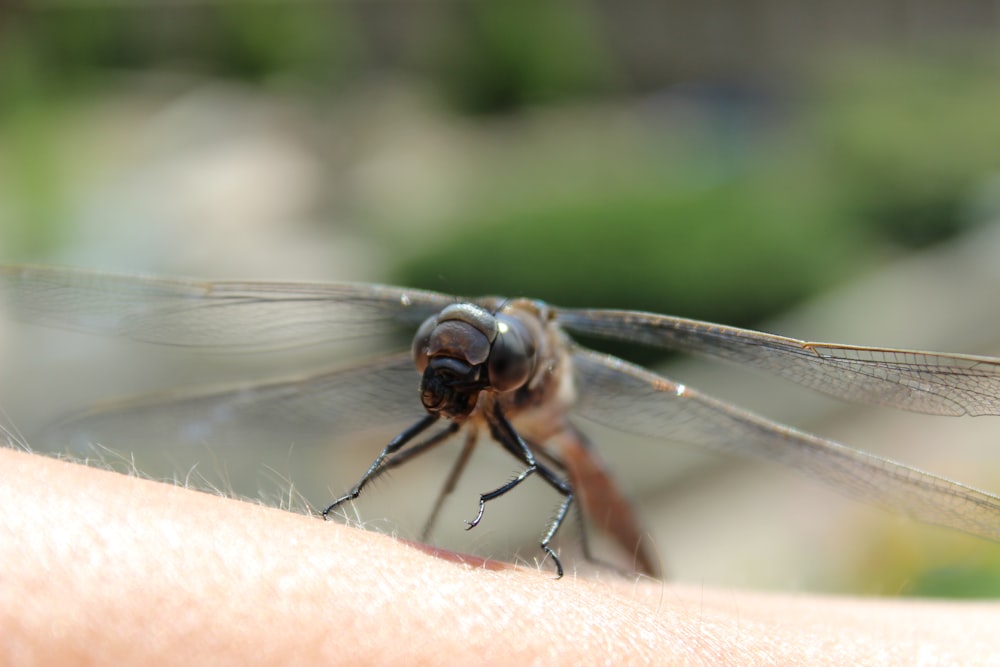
(509, 369)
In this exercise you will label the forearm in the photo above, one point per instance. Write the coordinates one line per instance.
(102, 568)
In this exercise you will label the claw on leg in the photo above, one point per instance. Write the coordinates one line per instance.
(469, 525)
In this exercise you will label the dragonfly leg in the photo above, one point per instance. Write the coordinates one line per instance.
(456, 471)
(400, 457)
(583, 506)
(374, 469)
(601, 500)
(505, 434)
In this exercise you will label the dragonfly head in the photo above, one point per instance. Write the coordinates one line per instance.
(466, 349)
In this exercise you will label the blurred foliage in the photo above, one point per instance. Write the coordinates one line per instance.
(923, 563)
(728, 252)
(493, 60)
(882, 152)
(908, 139)
(883, 156)
(70, 46)
(308, 42)
(56, 60)
(29, 162)
(957, 582)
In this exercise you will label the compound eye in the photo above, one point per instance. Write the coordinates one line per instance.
(512, 357)
(421, 343)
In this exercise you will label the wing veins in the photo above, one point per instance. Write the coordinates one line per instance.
(933, 383)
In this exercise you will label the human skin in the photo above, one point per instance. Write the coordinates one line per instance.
(102, 568)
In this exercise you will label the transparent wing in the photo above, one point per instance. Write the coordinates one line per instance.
(630, 398)
(317, 408)
(941, 384)
(230, 316)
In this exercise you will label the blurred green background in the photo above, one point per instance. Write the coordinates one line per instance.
(726, 161)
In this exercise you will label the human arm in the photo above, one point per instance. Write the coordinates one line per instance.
(104, 568)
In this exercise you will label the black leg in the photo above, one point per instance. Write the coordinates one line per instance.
(456, 472)
(505, 434)
(449, 485)
(373, 470)
(581, 522)
(401, 457)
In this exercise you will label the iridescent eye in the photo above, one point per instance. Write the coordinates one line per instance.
(512, 358)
